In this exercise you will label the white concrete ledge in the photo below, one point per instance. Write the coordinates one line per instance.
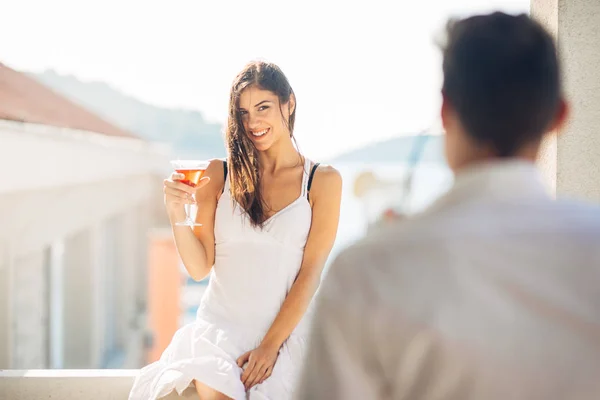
(37, 156)
(65, 384)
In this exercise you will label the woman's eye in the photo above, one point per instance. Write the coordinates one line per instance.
(262, 108)
(243, 112)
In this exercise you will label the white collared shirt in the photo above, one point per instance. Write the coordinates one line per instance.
(492, 293)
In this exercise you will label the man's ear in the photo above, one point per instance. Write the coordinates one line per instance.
(561, 118)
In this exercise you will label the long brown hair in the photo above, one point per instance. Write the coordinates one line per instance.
(244, 176)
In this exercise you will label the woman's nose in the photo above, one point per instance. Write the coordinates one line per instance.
(253, 122)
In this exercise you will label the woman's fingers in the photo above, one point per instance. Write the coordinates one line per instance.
(177, 194)
(267, 375)
(203, 182)
(243, 359)
(179, 186)
(260, 376)
(256, 373)
(248, 371)
(176, 176)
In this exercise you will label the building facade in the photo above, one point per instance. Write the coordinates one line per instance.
(76, 207)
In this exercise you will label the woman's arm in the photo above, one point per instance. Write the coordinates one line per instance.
(197, 248)
(325, 197)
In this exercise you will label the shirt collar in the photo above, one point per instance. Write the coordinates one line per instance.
(510, 180)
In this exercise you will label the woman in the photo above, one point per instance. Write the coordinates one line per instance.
(269, 218)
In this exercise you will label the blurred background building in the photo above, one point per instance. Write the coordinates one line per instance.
(78, 196)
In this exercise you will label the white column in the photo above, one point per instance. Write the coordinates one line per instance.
(126, 275)
(30, 311)
(101, 256)
(57, 304)
(6, 314)
(571, 162)
(79, 289)
(147, 215)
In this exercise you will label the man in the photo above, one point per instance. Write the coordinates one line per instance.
(493, 292)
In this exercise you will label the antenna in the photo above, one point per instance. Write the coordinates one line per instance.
(413, 159)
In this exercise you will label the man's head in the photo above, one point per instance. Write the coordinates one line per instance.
(502, 88)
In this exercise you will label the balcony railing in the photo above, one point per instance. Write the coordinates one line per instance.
(65, 384)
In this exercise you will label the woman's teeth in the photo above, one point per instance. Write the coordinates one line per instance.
(260, 133)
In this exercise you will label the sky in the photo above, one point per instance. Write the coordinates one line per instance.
(362, 71)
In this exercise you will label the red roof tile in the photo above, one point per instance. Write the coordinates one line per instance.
(22, 98)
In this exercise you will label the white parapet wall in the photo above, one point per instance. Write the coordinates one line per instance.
(96, 196)
(72, 385)
(33, 157)
(56, 180)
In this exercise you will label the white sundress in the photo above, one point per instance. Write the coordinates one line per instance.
(253, 273)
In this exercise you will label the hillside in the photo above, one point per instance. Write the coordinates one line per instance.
(187, 131)
(192, 136)
(398, 149)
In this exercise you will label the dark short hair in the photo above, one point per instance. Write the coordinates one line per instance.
(502, 76)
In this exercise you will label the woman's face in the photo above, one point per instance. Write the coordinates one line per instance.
(264, 119)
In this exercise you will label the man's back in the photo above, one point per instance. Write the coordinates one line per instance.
(494, 293)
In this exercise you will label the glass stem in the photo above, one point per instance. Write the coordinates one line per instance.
(188, 211)
(189, 208)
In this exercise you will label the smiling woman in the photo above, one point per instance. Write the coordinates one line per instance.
(269, 220)
(262, 114)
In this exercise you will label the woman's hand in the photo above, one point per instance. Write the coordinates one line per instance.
(177, 194)
(260, 364)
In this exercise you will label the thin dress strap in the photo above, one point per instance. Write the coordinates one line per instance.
(225, 180)
(305, 177)
(310, 179)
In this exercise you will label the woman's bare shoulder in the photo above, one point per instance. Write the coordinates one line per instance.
(327, 180)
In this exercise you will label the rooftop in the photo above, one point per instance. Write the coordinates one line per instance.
(24, 99)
